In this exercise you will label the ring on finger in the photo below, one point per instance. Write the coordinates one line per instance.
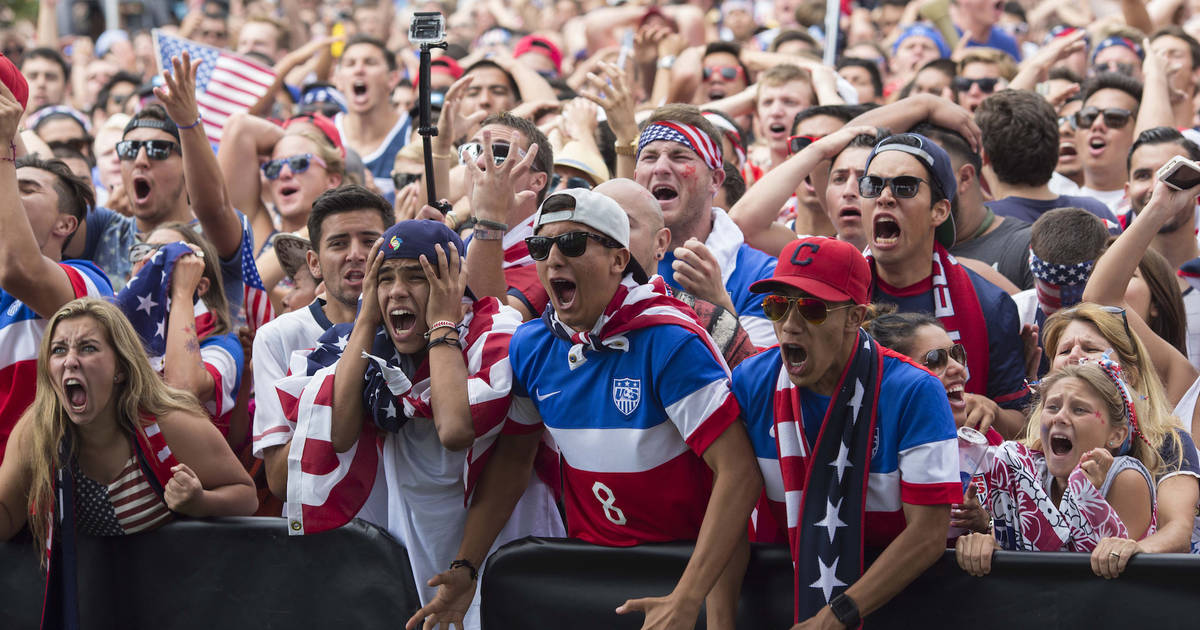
(1115, 555)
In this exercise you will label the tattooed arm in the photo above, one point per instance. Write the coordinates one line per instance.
(182, 365)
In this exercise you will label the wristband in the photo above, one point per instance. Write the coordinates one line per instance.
(12, 146)
(492, 225)
(484, 234)
(441, 323)
(462, 563)
(622, 148)
(448, 341)
(194, 123)
(666, 62)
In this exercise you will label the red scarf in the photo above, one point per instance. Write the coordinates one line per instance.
(957, 307)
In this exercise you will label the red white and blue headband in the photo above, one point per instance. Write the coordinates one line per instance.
(688, 135)
(1059, 286)
(731, 133)
(1112, 370)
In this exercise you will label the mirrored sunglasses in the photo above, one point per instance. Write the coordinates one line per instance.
(297, 163)
(155, 149)
(903, 186)
(813, 310)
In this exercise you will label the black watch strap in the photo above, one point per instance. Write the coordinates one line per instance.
(845, 610)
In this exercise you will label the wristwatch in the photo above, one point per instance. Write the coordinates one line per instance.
(623, 148)
(845, 610)
(666, 62)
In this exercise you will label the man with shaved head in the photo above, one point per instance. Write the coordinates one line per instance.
(649, 239)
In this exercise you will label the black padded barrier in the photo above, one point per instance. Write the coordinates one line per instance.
(554, 583)
(224, 573)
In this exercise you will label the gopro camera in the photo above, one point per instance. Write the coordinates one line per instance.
(427, 28)
(1180, 173)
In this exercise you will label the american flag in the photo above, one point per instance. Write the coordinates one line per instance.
(225, 83)
(255, 299)
(146, 302)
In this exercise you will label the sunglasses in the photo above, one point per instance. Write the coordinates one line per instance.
(155, 149)
(1069, 121)
(298, 164)
(573, 181)
(903, 186)
(987, 86)
(728, 73)
(141, 251)
(797, 144)
(471, 151)
(1114, 117)
(400, 180)
(1126, 69)
(571, 244)
(937, 358)
(75, 144)
(1112, 310)
(813, 310)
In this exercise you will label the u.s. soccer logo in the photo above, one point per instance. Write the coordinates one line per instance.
(627, 394)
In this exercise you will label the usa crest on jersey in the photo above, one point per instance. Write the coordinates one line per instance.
(627, 394)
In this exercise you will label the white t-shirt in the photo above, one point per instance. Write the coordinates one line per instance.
(1114, 199)
(1191, 305)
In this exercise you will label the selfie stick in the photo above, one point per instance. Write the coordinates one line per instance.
(426, 128)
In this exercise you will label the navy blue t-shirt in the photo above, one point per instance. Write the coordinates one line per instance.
(997, 39)
(1006, 359)
(1028, 210)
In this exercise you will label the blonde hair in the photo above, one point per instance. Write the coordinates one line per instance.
(782, 75)
(141, 391)
(1157, 423)
(982, 54)
(1114, 406)
(334, 162)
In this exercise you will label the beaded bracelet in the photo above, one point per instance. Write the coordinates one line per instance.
(12, 147)
(444, 323)
(194, 123)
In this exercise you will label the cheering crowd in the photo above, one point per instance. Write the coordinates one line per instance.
(705, 271)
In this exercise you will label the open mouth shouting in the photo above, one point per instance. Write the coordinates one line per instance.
(564, 292)
(76, 394)
(886, 231)
(716, 92)
(142, 187)
(1059, 445)
(795, 358)
(954, 393)
(777, 130)
(1096, 146)
(288, 194)
(354, 278)
(665, 194)
(401, 323)
(359, 92)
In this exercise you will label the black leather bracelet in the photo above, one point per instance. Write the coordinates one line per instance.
(462, 563)
(846, 610)
(445, 339)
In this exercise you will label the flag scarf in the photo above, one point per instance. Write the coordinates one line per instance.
(325, 488)
(1026, 518)
(825, 485)
(255, 299)
(146, 302)
(633, 306)
(957, 307)
(225, 83)
(61, 606)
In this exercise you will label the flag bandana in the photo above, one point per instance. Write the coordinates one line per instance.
(731, 134)
(825, 486)
(687, 135)
(146, 301)
(633, 306)
(1059, 286)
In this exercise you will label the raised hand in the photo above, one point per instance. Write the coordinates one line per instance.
(609, 88)
(447, 284)
(451, 121)
(178, 91)
(1095, 464)
(186, 276)
(10, 117)
(492, 188)
(369, 313)
(698, 272)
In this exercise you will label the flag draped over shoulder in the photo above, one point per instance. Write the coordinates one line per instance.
(225, 83)
(325, 488)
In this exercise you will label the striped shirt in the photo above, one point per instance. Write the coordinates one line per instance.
(127, 505)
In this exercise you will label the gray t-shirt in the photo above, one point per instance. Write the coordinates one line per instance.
(1005, 248)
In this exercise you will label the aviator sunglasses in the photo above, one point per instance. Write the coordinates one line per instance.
(155, 149)
(987, 85)
(728, 73)
(1114, 117)
(813, 310)
(571, 244)
(937, 358)
(298, 164)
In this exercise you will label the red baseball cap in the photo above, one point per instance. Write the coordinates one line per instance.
(15, 81)
(326, 126)
(826, 268)
(535, 43)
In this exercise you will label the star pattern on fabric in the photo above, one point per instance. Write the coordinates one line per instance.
(146, 303)
(828, 580)
(831, 522)
(843, 460)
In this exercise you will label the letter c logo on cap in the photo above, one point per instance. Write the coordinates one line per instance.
(796, 254)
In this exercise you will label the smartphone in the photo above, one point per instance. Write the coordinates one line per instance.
(1180, 173)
